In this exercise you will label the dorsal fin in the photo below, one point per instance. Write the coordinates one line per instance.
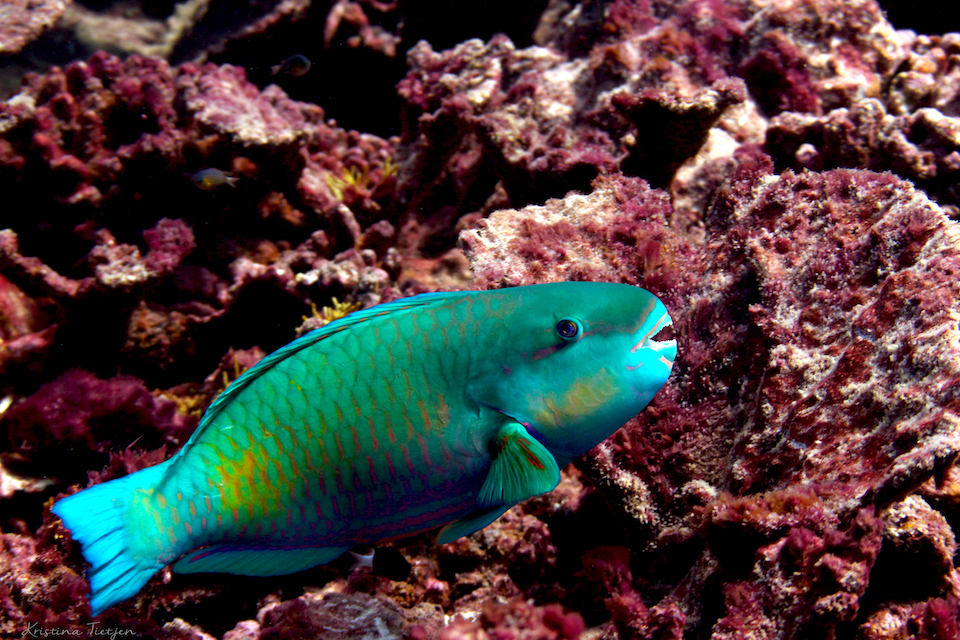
(312, 338)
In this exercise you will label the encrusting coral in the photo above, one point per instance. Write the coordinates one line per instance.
(781, 174)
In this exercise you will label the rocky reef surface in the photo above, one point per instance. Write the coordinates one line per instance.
(783, 174)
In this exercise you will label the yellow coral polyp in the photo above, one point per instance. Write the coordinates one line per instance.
(192, 405)
(359, 179)
(329, 314)
(237, 370)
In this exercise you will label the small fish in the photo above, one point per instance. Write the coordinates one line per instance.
(296, 66)
(213, 179)
(439, 410)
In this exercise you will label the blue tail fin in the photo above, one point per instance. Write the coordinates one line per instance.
(96, 519)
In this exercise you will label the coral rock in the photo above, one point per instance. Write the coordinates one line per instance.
(933, 619)
(329, 616)
(616, 233)
(840, 313)
(923, 146)
(71, 423)
(222, 99)
(517, 544)
(918, 550)
(517, 618)
(170, 242)
(488, 111)
(21, 21)
(818, 365)
(929, 77)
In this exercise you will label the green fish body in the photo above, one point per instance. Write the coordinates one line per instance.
(442, 409)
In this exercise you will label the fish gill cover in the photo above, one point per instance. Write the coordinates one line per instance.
(783, 175)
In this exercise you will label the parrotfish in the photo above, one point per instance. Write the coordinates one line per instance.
(438, 410)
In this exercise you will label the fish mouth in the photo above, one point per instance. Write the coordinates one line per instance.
(661, 339)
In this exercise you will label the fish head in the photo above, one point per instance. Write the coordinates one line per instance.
(580, 360)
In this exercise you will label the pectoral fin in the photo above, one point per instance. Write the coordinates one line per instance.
(521, 468)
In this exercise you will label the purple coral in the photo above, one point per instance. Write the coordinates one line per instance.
(169, 242)
(329, 616)
(800, 460)
(71, 423)
(22, 22)
(804, 304)
(518, 618)
(617, 233)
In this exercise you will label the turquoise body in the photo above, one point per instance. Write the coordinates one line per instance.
(438, 410)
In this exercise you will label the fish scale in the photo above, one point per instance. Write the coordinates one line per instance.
(437, 410)
(254, 409)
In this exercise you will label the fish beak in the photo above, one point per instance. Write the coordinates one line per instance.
(667, 345)
(650, 338)
(659, 340)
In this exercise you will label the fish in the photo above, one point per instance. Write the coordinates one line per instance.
(212, 179)
(296, 65)
(441, 410)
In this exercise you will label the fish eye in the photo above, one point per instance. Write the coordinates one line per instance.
(569, 329)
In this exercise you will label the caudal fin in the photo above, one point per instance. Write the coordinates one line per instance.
(95, 517)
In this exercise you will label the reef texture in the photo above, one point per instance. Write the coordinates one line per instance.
(21, 21)
(782, 174)
(816, 389)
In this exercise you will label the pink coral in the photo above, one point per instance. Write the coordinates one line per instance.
(820, 298)
(100, 126)
(923, 146)
(329, 616)
(71, 423)
(929, 77)
(933, 619)
(517, 619)
(22, 21)
(221, 99)
(619, 232)
(23, 330)
(487, 112)
(169, 242)
(800, 461)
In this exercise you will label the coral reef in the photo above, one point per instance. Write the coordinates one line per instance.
(517, 618)
(619, 231)
(329, 616)
(836, 321)
(782, 174)
(71, 423)
(22, 21)
(120, 136)
(922, 146)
